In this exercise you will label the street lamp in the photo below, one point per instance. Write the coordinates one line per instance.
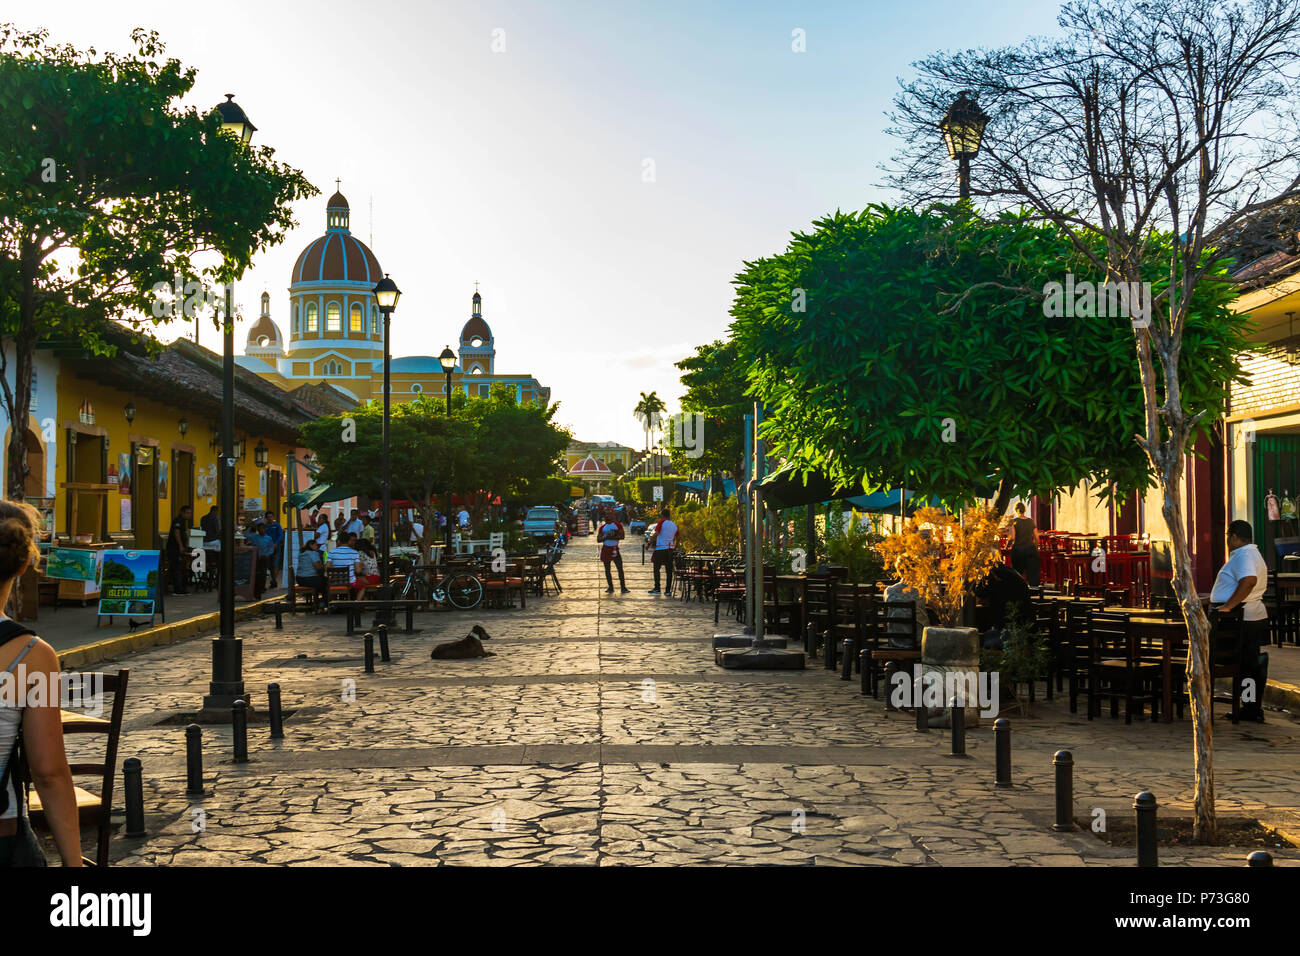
(963, 129)
(387, 293)
(260, 454)
(183, 426)
(227, 683)
(448, 361)
(129, 412)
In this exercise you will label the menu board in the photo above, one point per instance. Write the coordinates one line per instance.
(245, 564)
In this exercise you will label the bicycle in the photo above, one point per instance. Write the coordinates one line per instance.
(461, 589)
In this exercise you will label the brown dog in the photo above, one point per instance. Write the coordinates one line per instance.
(467, 646)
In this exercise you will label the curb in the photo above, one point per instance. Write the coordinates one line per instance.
(1285, 696)
(89, 654)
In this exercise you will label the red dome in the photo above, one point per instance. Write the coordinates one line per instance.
(337, 257)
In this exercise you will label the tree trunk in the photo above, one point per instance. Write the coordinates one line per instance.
(24, 352)
(1200, 685)
(1004, 496)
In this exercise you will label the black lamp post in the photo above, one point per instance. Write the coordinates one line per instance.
(387, 293)
(963, 129)
(448, 361)
(227, 683)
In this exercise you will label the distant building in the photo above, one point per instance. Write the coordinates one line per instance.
(611, 453)
(336, 331)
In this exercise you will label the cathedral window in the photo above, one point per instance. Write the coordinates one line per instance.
(295, 319)
(312, 324)
(417, 388)
(374, 320)
(333, 318)
(356, 321)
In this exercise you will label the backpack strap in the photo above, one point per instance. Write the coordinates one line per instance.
(9, 630)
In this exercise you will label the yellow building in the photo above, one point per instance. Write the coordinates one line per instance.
(137, 440)
(611, 453)
(336, 330)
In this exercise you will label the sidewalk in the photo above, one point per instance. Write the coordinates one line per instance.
(601, 732)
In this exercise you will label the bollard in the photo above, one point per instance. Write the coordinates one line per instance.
(1260, 858)
(846, 665)
(194, 760)
(864, 669)
(1144, 809)
(273, 708)
(239, 728)
(134, 787)
(828, 639)
(918, 704)
(370, 653)
(958, 711)
(1063, 761)
(1002, 740)
(383, 643)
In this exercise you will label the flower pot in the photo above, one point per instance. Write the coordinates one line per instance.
(953, 655)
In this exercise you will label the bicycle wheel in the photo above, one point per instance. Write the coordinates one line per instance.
(463, 590)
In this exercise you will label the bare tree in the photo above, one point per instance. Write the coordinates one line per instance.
(1165, 123)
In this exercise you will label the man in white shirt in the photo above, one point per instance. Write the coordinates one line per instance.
(1241, 582)
(665, 541)
(345, 556)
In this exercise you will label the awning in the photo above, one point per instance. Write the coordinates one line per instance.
(705, 486)
(319, 495)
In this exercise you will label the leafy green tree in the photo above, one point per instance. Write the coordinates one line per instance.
(516, 444)
(715, 388)
(923, 358)
(112, 188)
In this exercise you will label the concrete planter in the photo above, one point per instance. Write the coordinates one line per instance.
(952, 654)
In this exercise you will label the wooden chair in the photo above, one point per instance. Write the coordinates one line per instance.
(847, 620)
(897, 640)
(1118, 668)
(499, 585)
(1225, 661)
(92, 809)
(817, 611)
(339, 588)
(729, 586)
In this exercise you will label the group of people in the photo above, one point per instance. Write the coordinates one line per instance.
(662, 536)
(353, 552)
(264, 533)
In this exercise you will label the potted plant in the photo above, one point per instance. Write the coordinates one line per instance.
(1025, 656)
(944, 557)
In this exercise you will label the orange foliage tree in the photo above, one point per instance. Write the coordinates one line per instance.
(945, 558)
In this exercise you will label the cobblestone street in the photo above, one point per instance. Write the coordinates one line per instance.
(601, 732)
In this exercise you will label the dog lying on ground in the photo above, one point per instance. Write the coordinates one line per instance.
(467, 646)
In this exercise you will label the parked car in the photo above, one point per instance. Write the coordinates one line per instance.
(540, 521)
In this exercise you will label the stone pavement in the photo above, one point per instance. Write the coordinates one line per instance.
(603, 733)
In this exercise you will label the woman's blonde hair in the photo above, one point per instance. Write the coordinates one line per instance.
(19, 524)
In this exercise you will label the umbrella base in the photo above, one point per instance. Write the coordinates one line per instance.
(759, 659)
(744, 640)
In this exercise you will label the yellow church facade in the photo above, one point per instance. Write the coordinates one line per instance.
(335, 331)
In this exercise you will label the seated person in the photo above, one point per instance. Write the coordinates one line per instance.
(309, 570)
(1007, 594)
(369, 563)
(346, 556)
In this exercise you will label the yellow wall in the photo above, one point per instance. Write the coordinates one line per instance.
(153, 422)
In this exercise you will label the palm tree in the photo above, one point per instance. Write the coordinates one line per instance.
(646, 410)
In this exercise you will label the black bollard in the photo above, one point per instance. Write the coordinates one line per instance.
(383, 643)
(1260, 858)
(370, 653)
(828, 639)
(1002, 740)
(810, 641)
(846, 664)
(1063, 761)
(273, 709)
(864, 669)
(958, 710)
(239, 728)
(1144, 809)
(194, 760)
(134, 787)
(918, 704)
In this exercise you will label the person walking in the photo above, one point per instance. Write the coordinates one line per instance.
(25, 658)
(1241, 582)
(611, 533)
(665, 542)
(178, 549)
(276, 533)
(1024, 546)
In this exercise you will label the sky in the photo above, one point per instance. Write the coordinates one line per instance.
(602, 169)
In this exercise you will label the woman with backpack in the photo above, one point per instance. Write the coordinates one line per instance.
(28, 662)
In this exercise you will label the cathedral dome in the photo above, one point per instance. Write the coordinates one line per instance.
(264, 335)
(337, 256)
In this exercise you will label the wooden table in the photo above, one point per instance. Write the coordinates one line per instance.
(1172, 635)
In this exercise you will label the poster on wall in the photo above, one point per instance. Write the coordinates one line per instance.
(206, 483)
(261, 481)
(129, 583)
(124, 473)
(162, 478)
(126, 514)
(73, 564)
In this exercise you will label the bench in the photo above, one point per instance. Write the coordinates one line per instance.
(354, 609)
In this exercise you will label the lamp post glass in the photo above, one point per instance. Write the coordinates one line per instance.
(963, 131)
(448, 362)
